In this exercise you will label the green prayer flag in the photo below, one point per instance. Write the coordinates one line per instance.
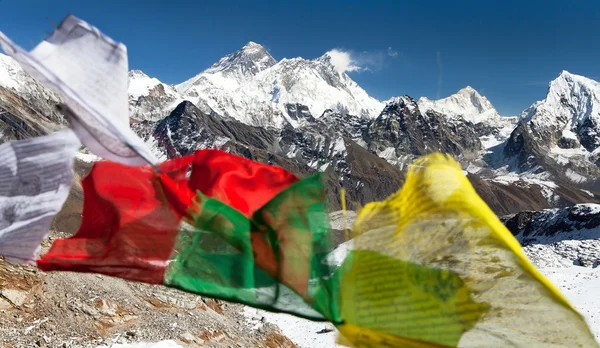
(276, 260)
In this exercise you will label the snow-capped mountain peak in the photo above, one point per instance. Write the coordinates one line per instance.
(149, 98)
(136, 74)
(9, 72)
(232, 70)
(581, 92)
(567, 124)
(570, 101)
(252, 87)
(12, 76)
(141, 84)
(326, 60)
(466, 103)
(254, 48)
(317, 85)
(247, 61)
(561, 133)
(480, 103)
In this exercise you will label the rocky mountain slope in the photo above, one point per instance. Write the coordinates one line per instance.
(468, 105)
(559, 237)
(403, 132)
(365, 176)
(150, 99)
(340, 130)
(366, 157)
(558, 136)
(23, 115)
(553, 143)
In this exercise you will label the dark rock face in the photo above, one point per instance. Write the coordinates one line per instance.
(402, 126)
(347, 125)
(187, 129)
(365, 176)
(527, 150)
(333, 146)
(553, 224)
(460, 136)
(588, 135)
(482, 129)
(22, 118)
(520, 148)
(520, 222)
(567, 143)
(299, 112)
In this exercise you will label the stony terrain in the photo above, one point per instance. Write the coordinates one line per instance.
(563, 236)
(66, 309)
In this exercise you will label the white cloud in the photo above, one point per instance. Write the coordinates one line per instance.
(343, 61)
(391, 52)
(349, 61)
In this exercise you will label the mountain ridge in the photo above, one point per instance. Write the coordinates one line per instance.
(560, 134)
(265, 89)
(490, 148)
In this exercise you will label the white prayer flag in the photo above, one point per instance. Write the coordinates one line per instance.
(35, 179)
(88, 70)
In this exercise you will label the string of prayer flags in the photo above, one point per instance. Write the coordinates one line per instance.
(88, 71)
(431, 266)
(251, 232)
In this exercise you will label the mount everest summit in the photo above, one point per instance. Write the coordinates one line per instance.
(250, 86)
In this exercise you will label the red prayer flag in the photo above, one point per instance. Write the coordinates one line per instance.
(128, 228)
(132, 215)
(236, 181)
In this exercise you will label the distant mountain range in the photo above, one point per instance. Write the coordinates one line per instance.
(252, 87)
(306, 116)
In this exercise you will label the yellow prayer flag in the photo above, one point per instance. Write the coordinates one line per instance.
(432, 266)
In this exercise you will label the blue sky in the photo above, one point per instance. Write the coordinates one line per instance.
(508, 50)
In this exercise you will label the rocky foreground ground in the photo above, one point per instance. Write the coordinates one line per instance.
(63, 309)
